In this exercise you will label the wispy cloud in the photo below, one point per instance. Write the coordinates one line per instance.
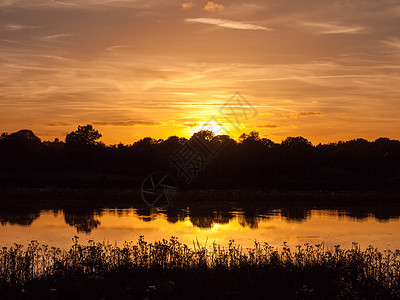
(213, 7)
(327, 28)
(187, 5)
(228, 24)
(127, 123)
(59, 123)
(17, 27)
(303, 114)
(37, 3)
(191, 124)
(271, 126)
(393, 43)
(57, 36)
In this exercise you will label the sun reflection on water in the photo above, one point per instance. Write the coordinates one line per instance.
(127, 225)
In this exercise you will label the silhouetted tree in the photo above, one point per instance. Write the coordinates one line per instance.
(22, 138)
(205, 135)
(295, 163)
(84, 136)
(252, 136)
(296, 143)
(20, 150)
(145, 143)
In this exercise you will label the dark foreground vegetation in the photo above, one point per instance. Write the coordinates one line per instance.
(252, 161)
(169, 269)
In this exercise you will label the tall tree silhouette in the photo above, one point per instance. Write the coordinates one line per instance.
(84, 136)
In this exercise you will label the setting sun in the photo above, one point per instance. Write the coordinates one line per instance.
(210, 126)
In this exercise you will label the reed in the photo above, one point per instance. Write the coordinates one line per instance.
(144, 268)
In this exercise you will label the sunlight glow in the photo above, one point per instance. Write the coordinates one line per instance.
(212, 126)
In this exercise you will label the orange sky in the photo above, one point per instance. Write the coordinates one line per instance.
(324, 69)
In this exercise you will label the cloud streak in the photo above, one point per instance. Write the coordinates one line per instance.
(191, 124)
(327, 28)
(228, 24)
(271, 126)
(127, 123)
(18, 27)
(55, 37)
(393, 43)
(303, 114)
(59, 123)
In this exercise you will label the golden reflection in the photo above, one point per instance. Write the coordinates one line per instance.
(112, 225)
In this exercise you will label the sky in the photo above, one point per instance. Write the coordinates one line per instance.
(327, 70)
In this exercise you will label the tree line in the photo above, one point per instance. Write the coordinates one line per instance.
(251, 160)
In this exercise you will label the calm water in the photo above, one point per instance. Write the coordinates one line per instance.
(264, 223)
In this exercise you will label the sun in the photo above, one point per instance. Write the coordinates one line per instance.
(216, 128)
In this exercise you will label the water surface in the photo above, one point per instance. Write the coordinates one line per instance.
(207, 224)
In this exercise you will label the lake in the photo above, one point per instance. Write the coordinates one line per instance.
(206, 222)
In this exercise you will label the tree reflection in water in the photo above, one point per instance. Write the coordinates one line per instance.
(82, 221)
(206, 214)
(18, 218)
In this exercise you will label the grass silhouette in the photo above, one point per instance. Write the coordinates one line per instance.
(171, 269)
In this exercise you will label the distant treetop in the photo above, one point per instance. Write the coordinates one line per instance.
(85, 136)
(22, 136)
